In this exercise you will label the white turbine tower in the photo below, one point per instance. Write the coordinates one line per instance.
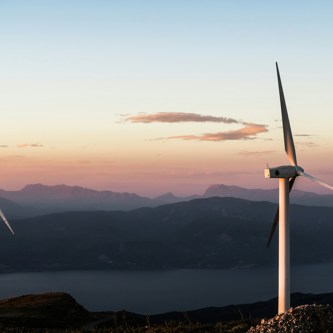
(287, 175)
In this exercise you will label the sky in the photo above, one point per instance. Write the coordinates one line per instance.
(158, 96)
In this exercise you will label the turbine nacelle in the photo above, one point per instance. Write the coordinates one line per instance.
(284, 171)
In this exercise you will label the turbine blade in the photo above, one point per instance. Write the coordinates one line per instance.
(276, 218)
(288, 136)
(6, 221)
(274, 225)
(291, 183)
(318, 181)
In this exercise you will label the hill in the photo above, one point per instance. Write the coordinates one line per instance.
(302, 319)
(13, 210)
(234, 312)
(56, 310)
(202, 233)
(52, 310)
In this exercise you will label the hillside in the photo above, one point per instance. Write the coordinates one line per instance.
(13, 210)
(53, 310)
(59, 311)
(202, 233)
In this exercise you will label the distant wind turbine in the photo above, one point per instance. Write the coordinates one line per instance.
(287, 175)
(6, 221)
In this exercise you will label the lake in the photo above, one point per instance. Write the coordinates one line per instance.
(151, 292)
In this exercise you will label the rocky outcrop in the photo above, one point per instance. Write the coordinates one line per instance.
(302, 319)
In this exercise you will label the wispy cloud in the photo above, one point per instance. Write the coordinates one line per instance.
(255, 153)
(309, 144)
(307, 135)
(3, 146)
(249, 132)
(178, 117)
(26, 145)
(17, 156)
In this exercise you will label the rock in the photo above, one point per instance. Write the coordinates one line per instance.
(302, 319)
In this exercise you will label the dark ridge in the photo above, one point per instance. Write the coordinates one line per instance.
(201, 234)
(53, 310)
(265, 309)
(213, 315)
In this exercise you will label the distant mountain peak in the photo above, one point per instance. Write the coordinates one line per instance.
(228, 188)
(39, 198)
(31, 187)
(167, 196)
(298, 196)
(54, 188)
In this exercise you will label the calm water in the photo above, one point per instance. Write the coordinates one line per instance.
(149, 292)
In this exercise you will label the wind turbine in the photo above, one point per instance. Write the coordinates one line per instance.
(287, 176)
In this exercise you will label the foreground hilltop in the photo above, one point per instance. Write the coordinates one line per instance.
(302, 319)
(54, 309)
(59, 312)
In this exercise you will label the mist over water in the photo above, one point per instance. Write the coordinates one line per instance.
(151, 292)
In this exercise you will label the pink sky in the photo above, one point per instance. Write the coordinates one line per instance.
(162, 96)
(152, 164)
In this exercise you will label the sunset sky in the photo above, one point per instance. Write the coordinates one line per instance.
(157, 96)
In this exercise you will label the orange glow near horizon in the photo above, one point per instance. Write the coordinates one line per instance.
(183, 168)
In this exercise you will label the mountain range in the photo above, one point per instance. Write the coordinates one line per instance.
(38, 199)
(200, 233)
(297, 196)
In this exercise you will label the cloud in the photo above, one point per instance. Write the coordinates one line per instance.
(26, 145)
(3, 146)
(17, 156)
(307, 144)
(177, 117)
(303, 135)
(249, 132)
(255, 153)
